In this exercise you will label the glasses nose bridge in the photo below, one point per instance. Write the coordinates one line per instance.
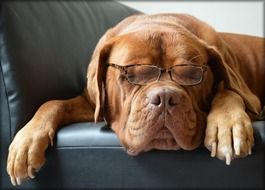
(161, 71)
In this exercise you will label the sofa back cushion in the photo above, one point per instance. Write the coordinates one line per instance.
(45, 49)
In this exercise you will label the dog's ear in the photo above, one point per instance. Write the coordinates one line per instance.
(225, 69)
(96, 77)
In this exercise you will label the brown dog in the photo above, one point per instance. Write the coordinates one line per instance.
(166, 81)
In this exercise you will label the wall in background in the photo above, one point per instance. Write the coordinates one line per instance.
(225, 16)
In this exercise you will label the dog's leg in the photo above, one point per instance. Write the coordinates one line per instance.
(27, 151)
(229, 133)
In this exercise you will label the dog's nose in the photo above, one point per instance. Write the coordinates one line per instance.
(163, 97)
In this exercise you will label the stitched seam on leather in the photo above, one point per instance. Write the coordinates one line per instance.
(3, 77)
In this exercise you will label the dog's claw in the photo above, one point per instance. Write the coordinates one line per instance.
(18, 181)
(249, 151)
(13, 181)
(237, 146)
(227, 159)
(31, 173)
(249, 148)
(213, 152)
(51, 135)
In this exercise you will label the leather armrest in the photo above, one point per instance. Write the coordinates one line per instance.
(93, 154)
(86, 135)
(99, 135)
(259, 132)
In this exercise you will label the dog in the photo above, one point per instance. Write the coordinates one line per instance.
(164, 81)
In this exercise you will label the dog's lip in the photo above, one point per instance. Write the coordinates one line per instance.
(163, 135)
(132, 152)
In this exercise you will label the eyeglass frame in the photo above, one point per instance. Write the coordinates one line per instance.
(123, 70)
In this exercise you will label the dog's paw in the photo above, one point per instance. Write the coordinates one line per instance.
(229, 135)
(27, 152)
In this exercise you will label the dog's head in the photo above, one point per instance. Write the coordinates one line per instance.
(153, 83)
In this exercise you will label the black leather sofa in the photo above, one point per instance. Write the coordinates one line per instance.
(45, 50)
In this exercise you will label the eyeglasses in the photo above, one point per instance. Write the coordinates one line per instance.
(184, 74)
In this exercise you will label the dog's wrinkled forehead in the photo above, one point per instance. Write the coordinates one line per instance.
(155, 47)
